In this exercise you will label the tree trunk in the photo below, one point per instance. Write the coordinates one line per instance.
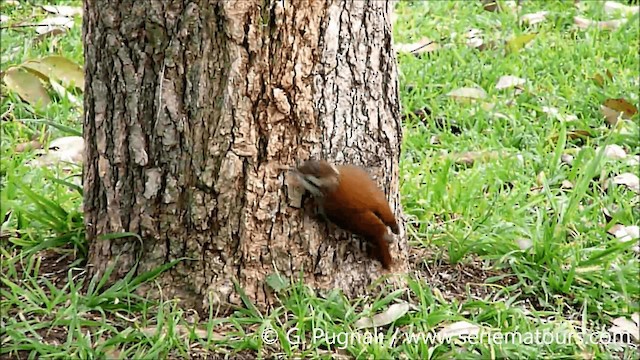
(192, 108)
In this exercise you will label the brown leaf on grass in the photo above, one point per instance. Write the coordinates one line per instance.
(519, 42)
(393, 313)
(499, 6)
(584, 23)
(524, 244)
(59, 68)
(50, 33)
(509, 81)
(541, 178)
(555, 113)
(490, 5)
(625, 233)
(26, 146)
(474, 38)
(458, 328)
(425, 45)
(633, 160)
(63, 10)
(8, 114)
(573, 135)
(614, 152)
(567, 159)
(629, 180)
(598, 79)
(69, 149)
(471, 157)
(53, 22)
(534, 18)
(27, 86)
(578, 134)
(611, 116)
(468, 93)
(62, 91)
(613, 109)
(601, 80)
(623, 326)
(616, 7)
(566, 184)
(621, 105)
(475, 43)
(422, 113)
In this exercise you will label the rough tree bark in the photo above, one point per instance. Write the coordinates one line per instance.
(192, 108)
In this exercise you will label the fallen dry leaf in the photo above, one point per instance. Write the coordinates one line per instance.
(519, 42)
(566, 184)
(471, 157)
(567, 159)
(610, 116)
(65, 149)
(524, 244)
(425, 45)
(499, 6)
(534, 18)
(63, 10)
(616, 7)
(29, 145)
(584, 23)
(468, 93)
(614, 152)
(59, 68)
(62, 91)
(487, 106)
(474, 38)
(625, 233)
(473, 32)
(621, 105)
(509, 81)
(541, 178)
(607, 212)
(27, 86)
(633, 160)
(475, 43)
(393, 313)
(457, 329)
(421, 114)
(601, 80)
(613, 109)
(629, 180)
(623, 325)
(490, 5)
(575, 134)
(49, 23)
(553, 112)
(51, 33)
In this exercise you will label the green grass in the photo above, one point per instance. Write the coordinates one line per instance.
(465, 222)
